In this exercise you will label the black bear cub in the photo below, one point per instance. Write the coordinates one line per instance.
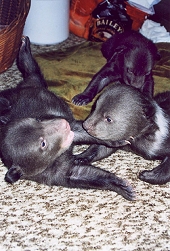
(123, 112)
(130, 59)
(38, 132)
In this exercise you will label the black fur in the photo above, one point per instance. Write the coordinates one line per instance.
(122, 112)
(130, 59)
(38, 133)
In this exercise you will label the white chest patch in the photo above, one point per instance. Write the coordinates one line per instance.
(161, 133)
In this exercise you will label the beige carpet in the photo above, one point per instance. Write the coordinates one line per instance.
(35, 217)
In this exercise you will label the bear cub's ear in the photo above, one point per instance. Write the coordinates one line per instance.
(13, 174)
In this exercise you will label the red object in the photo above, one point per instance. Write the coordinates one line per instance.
(136, 15)
(80, 14)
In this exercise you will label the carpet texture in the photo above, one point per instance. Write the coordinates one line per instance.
(36, 217)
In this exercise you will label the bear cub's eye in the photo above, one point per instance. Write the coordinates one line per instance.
(108, 119)
(43, 143)
(129, 71)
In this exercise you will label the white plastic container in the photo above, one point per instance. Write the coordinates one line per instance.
(47, 21)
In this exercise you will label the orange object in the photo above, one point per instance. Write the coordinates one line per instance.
(80, 14)
(136, 15)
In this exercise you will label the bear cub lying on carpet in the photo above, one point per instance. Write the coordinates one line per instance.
(122, 111)
(38, 132)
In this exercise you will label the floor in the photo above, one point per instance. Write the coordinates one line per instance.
(36, 217)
